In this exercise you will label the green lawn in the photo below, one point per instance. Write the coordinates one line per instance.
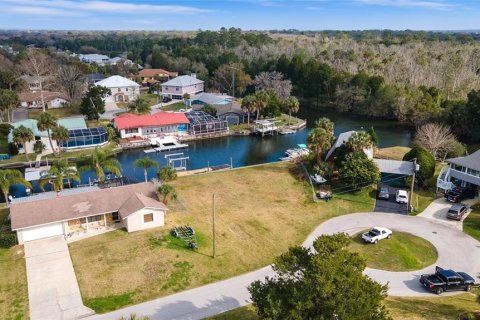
(58, 112)
(393, 153)
(152, 99)
(261, 211)
(13, 280)
(471, 224)
(174, 106)
(402, 252)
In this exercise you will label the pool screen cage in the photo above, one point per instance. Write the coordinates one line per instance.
(79, 138)
(202, 123)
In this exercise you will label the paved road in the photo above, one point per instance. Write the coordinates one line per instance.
(437, 211)
(53, 291)
(455, 249)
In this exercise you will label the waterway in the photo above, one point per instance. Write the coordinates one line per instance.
(250, 150)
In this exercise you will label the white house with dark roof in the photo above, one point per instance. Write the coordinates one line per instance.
(461, 172)
(177, 87)
(123, 89)
(134, 207)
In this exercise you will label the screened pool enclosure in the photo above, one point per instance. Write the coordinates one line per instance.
(83, 138)
(202, 123)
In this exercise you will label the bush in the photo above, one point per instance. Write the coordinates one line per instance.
(12, 149)
(8, 239)
(38, 147)
(426, 162)
(457, 149)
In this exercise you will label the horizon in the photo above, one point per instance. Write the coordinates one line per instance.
(249, 15)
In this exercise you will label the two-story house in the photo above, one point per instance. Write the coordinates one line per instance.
(122, 89)
(177, 87)
(461, 172)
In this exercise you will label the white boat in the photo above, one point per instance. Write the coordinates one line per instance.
(149, 150)
(318, 179)
(287, 131)
(167, 144)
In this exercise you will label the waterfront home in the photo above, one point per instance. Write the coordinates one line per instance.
(150, 125)
(202, 124)
(225, 106)
(122, 89)
(80, 135)
(77, 212)
(341, 140)
(33, 99)
(152, 76)
(461, 172)
(177, 87)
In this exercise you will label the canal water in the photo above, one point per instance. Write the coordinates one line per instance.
(250, 150)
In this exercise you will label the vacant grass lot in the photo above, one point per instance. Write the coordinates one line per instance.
(402, 252)
(438, 308)
(13, 280)
(261, 211)
(393, 153)
(471, 224)
(57, 112)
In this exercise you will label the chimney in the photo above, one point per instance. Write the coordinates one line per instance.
(194, 75)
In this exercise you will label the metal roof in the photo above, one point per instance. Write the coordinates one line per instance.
(212, 98)
(117, 82)
(72, 123)
(182, 81)
(395, 166)
(471, 161)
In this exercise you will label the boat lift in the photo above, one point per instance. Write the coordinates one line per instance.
(179, 163)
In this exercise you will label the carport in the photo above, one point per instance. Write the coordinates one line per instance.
(394, 173)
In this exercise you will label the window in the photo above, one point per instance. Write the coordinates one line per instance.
(134, 130)
(177, 88)
(91, 219)
(126, 89)
(147, 217)
(115, 216)
(119, 90)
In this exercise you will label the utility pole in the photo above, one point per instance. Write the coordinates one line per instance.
(213, 226)
(412, 184)
(233, 83)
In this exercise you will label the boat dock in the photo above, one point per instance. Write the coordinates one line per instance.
(165, 144)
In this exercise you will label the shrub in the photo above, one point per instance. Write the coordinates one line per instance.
(38, 147)
(8, 239)
(425, 160)
(12, 149)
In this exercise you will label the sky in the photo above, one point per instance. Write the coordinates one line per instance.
(244, 14)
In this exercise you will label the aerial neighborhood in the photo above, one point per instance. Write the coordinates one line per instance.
(232, 174)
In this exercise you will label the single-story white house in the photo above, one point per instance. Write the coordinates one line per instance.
(177, 87)
(122, 89)
(134, 207)
(341, 140)
(33, 99)
(150, 125)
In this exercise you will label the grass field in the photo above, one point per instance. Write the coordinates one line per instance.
(402, 252)
(393, 153)
(57, 112)
(471, 224)
(174, 106)
(13, 280)
(438, 308)
(261, 211)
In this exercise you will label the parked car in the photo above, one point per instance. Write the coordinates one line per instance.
(383, 193)
(447, 280)
(457, 211)
(166, 99)
(376, 234)
(458, 194)
(401, 196)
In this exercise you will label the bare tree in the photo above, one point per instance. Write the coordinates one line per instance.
(434, 137)
(38, 65)
(231, 78)
(70, 81)
(273, 81)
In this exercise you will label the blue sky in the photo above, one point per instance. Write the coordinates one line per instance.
(245, 14)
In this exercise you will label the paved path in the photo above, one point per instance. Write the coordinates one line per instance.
(53, 291)
(437, 211)
(455, 249)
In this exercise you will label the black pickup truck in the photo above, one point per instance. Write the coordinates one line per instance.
(447, 280)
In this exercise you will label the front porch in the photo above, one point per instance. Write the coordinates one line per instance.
(81, 228)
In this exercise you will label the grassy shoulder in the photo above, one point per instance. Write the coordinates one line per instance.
(261, 211)
(13, 280)
(471, 224)
(402, 252)
(438, 308)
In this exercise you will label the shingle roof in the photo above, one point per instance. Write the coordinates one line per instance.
(471, 161)
(36, 96)
(136, 202)
(62, 208)
(182, 81)
(129, 120)
(117, 82)
(154, 72)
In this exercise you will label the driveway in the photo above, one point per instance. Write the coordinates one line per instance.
(53, 291)
(437, 211)
(391, 205)
(455, 250)
(19, 114)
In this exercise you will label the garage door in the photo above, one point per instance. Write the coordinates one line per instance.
(42, 232)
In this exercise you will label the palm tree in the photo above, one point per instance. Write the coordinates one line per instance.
(47, 122)
(22, 135)
(261, 101)
(359, 141)
(249, 105)
(139, 106)
(292, 105)
(99, 161)
(186, 97)
(145, 163)
(319, 141)
(167, 174)
(166, 192)
(10, 177)
(60, 134)
(326, 124)
(58, 172)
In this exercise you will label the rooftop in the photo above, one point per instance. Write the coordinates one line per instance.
(34, 96)
(129, 120)
(66, 207)
(471, 161)
(213, 98)
(395, 166)
(182, 81)
(117, 82)
(155, 72)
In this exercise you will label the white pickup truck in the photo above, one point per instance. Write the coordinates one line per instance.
(376, 234)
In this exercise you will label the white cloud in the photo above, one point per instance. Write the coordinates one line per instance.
(41, 11)
(56, 7)
(409, 3)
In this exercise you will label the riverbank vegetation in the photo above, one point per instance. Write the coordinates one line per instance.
(158, 265)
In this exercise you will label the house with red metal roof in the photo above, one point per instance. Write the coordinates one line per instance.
(150, 125)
